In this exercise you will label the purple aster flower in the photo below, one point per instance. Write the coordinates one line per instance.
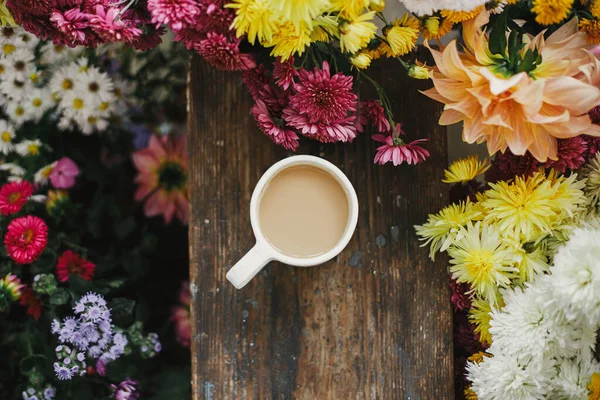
(59, 348)
(70, 323)
(157, 347)
(94, 314)
(127, 390)
(62, 373)
(66, 361)
(101, 367)
(79, 308)
(65, 335)
(31, 391)
(80, 357)
(94, 351)
(75, 369)
(55, 326)
(120, 340)
(49, 393)
(105, 326)
(34, 397)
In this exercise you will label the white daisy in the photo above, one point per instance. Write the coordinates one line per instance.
(63, 80)
(56, 54)
(9, 34)
(67, 123)
(13, 169)
(20, 65)
(93, 123)
(29, 147)
(76, 106)
(25, 39)
(7, 134)
(7, 48)
(17, 113)
(16, 89)
(37, 103)
(95, 87)
(42, 176)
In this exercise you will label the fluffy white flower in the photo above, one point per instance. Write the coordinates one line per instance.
(42, 176)
(17, 113)
(423, 7)
(37, 103)
(20, 65)
(24, 39)
(16, 89)
(576, 275)
(573, 378)
(7, 134)
(503, 377)
(94, 87)
(93, 123)
(63, 80)
(29, 147)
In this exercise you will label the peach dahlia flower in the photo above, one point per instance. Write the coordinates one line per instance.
(525, 111)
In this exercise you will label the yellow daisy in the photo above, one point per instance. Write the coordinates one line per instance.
(550, 12)
(595, 9)
(460, 16)
(465, 170)
(591, 28)
(443, 228)
(479, 315)
(402, 35)
(288, 41)
(435, 27)
(356, 34)
(254, 18)
(324, 28)
(481, 259)
(298, 12)
(377, 5)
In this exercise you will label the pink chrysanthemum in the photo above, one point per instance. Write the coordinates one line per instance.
(70, 263)
(224, 54)
(594, 114)
(33, 7)
(14, 195)
(174, 13)
(255, 80)
(214, 17)
(571, 154)
(284, 72)
(180, 314)
(460, 298)
(342, 130)
(72, 23)
(593, 144)
(111, 26)
(162, 177)
(274, 127)
(26, 239)
(397, 151)
(374, 112)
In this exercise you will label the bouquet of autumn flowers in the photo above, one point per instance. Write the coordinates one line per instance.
(82, 258)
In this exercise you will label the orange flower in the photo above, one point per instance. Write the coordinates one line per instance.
(521, 111)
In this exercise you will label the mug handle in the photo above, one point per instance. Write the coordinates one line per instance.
(247, 268)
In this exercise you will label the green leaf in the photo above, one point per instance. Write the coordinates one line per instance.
(125, 227)
(60, 297)
(33, 361)
(122, 308)
(498, 35)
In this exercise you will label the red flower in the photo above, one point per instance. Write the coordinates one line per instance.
(284, 72)
(255, 80)
(14, 195)
(460, 297)
(33, 304)
(26, 239)
(372, 111)
(571, 154)
(224, 53)
(507, 165)
(70, 263)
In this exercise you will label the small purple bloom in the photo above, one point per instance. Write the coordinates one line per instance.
(70, 323)
(94, 351)
(127, 390)
(80, 357)
(94, 314)
(67, 361)
(105, 326)
(62, 373)
(79, 308)
(101, 367)
(157, 347)
(120, 340)
(55, 326)
(49, 393)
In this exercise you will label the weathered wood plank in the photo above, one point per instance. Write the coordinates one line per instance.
(374, 323)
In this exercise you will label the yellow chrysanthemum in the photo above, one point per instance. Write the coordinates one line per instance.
(374, 53)
(254, 18)
(595, 9)
(356, 34)
(288, 41)
(459, 16)
(416, 71)
(349, 8)
(298, 12)
(465, 170)
(470, 394)
(530, 208)
(481, 259)
(550, 12)
(6, 18)
(594, 387)
(324, 28)
(377, 5)
(479, 315)
(360, 60)
(443, 228)
(435, 27)
(402, 35)
(591, 28)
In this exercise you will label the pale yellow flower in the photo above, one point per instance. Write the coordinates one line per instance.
(357, 33)
(402, 35)
(254, 18)
(465, 170)
(288, 41)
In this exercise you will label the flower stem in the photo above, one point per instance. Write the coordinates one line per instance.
(385, 101)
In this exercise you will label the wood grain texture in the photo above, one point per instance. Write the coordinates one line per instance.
(374, 323)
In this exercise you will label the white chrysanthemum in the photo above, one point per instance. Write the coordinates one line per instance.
(37, 103)
(576, 275)
(95, 87)
(7, 134)
(17, 113)
(423, 7)
(76, 106)
(63, 80)
(502, 377)
(573, 377)
(56, 54)
(530, 326)
(20, 65)
(12, 169)
(9, 34)
(42, 176)
(29, 147)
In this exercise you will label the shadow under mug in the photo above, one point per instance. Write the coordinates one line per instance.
(263, 252)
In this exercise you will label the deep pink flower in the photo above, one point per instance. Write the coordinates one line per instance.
(593, 145)
(397, 151)
(162, 177)
(507, 165)
(26, 239)
(321, 97)
(33, 7)
(175, 13)
(111, 26)
(274, 127)
(284, 72)
(594, 114)
(33, 304)
(224, 54)
(149, 39)
(460, 297)
(64, 173)
(70, 263)
(571, 154)
(72, 24)
(255, 80)
(342, 130)
(373, 112)
(180, 314)
(14, 195)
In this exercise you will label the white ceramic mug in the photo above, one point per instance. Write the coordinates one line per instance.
(263, 251)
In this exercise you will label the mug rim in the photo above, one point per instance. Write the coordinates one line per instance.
(261, 241)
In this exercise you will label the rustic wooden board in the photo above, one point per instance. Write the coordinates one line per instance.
(374, 323)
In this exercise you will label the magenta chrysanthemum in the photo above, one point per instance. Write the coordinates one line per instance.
(395, 150)
(507, 165)
(373, 112)
(255, 80)
(571, 154)
(174, 13)
(460, 298)
(224, 54)
(111, 26)
(342, 130)
(273, 126)
(284, 72)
